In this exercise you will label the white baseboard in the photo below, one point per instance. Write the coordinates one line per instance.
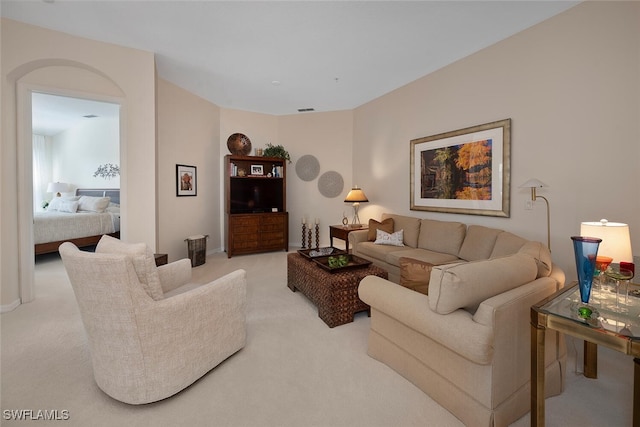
(9, 307)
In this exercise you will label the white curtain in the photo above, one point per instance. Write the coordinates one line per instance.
(41, 172)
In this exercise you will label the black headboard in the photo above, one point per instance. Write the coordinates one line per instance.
(113, 193)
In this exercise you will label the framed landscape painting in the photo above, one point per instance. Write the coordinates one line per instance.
(466, 171)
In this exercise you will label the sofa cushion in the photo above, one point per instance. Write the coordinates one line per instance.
(441, 236)
(478, 242)
(414, 274)
(409, 225)
(378, 252)
(466, 285)
(541, 254)
(435, 258)
(386, 226)
(142, 259)
(507, 244)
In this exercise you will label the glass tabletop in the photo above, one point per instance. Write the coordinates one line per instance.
(614, 312)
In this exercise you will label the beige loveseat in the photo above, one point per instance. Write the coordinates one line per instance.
(467, 343)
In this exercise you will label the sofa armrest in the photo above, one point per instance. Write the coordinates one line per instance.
(518, 300)
(358, 236)
(509, 316)
(175, 274)
(558, 275)
(457, 330)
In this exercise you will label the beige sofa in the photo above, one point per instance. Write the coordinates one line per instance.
(467, 343)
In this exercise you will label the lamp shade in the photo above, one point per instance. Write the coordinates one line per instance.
(356, 195)
(57, 187)
(533, 183)
(616, 241)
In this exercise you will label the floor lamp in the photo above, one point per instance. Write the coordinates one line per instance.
(533, 184)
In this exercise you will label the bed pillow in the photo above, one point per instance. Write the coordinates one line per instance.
(57, 202)
(393, 239)
(93, 204)
(143, 262)
(386, 226)
(68, 206)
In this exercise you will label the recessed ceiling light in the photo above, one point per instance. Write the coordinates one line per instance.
(275, 83)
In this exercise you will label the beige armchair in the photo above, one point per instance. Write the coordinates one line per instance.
(148, 340)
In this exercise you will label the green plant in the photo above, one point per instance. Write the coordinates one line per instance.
(276, 151)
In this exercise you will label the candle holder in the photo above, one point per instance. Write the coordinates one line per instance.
(310, 236)
(304, 236)
(317, 235)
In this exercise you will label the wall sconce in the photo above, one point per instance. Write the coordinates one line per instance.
(57, 187)
(356, 196)
(533, 184)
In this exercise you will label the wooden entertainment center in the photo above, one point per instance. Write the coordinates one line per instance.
(256, 218)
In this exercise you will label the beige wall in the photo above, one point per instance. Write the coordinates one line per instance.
(188, 134)
(58, 63)
(328, 137)
(571, 86)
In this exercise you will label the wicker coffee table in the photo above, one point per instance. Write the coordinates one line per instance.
(335, 294)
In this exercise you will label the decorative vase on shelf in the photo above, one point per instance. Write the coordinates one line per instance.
(586, 251)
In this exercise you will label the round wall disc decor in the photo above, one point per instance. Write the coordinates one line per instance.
(239, 144)
(330, 184)
(307, 167)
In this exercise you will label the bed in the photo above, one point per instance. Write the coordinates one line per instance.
(82, 219)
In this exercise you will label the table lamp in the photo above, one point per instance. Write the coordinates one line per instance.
(356, 196)
(57, 187)
(616, 242)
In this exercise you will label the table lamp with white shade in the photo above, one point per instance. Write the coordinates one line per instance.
(616, 241)
(57, 187)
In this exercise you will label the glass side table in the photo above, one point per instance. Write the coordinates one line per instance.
(610, 326)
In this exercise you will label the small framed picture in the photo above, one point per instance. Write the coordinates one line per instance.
(257, 170)
(186, 181)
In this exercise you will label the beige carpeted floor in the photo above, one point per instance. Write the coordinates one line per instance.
(294, 370)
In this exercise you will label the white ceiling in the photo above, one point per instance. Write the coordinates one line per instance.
(326, 55)
(52, 114)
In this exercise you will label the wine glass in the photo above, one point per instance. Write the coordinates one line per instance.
(618, 275)
(602, 263)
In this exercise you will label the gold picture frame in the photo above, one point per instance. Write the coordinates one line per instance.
(466, 171)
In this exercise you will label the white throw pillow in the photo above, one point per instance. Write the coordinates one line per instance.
(93, 204)
(57, 202)
(393, 239)
(68, 206)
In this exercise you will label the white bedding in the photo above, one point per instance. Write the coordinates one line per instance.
(53, 226)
